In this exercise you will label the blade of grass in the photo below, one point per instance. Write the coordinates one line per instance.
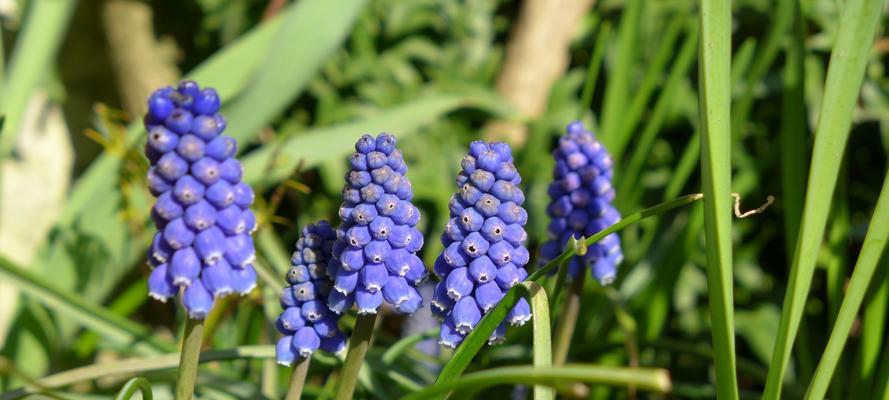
(793, 135)
(272, 163)
(872, 332)
(836, 274)
(656, 380)
(881, 385)
(619, 77)
(42, 35)
(653, 75)
(665, 101)
(874, 244)
(857, 30)
(136, 366)
(277, 82)
(589, 86)
(134, 385)
(113, 326)
(715, 114)
(479, 335)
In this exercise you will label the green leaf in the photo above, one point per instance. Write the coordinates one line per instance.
(311, 33)
(116, 328)
(618, 87)
(715, 114)
(656, 380)
(482, 331)
(868, 259)
(34, 54)
(132, 386)
(542, 345)
(136, 366)
(275, 162)
(857, 29)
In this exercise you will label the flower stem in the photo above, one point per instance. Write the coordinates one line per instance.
(298, 378)
(188, 361)
(358, 344)
(567, 320)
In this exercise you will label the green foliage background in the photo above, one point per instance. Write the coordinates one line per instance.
(300, 87)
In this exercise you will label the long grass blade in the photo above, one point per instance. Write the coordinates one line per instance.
(278, 81)
(715, 114)
(656, 380)
(40, 39)
(857, 30)
(872, 332)
(874, 244)
(616, 92)
(114, 327)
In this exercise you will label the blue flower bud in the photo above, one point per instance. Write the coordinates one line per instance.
(284, 352)
(378, 241)
(487, 295)
(221, 148)
(580, 203)
(243, 279)
(217, 278)
(465, 314)
(197, 300)
(306, 341)
(188, 190)
(171, 167)
(449, 336)
(459, 283)
(160, 286)
(231, 170)
(179, 121)
(185, 267)
(335, 344)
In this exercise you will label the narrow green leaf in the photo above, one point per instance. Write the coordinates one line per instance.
(479, 335)
(35, 51)
(137, 366)
(876, 310)
(274, 163)
(857, 30)
(293, 58)
(592, 76)
(666, 99)
(134, 385)
(656, 380)
(114, 327)
(874, 244)
(715, 114)
(618, 87)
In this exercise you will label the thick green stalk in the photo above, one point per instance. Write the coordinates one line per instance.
(542, 346)
(188, 361)
(874, 243)
(857, 29)
(715, 114)
(298, 378)
(872, 332)
(358, 344)
(568, 320)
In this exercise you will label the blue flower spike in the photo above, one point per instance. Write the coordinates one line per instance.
(305, 322)
(203, 247)
(377, 243)
(581, 197)
(484, 245)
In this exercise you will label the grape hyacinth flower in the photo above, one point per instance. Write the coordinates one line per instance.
(581, 198)
(484, 243)
(375, 251)
(306, 322)
(202, 213)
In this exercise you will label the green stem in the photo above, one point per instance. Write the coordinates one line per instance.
(358, 344)
(568, 320)
(298, 378)
(138, 384)
(543, 357)
(188, 361)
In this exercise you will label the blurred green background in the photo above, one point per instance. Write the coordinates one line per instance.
(301, 81)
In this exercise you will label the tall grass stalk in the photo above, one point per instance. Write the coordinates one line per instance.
(298, 378)
(715, 114)
(857, 28)
(868, 259)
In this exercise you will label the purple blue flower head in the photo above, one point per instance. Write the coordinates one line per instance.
(484, 245)
(202, 213)
(581, 197)
(375, 254)
(306, 323)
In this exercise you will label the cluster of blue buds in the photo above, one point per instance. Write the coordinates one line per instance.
(202, 214)
(375, 252)
(306, 322)
(581, 203)
(484, 242)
